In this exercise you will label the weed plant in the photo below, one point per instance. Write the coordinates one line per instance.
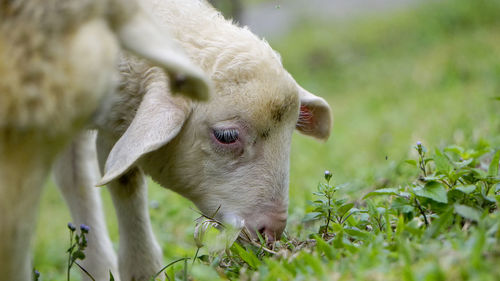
(453, 202)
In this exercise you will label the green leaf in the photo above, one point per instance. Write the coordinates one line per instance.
(402, 205)
(311, 216)
(411, 162)
(433, 178)
(311, 262)
(467, 212)
(356, 233)
(248, 257)
(440, 223)
(400, 226)
(442, 162)
(340, 202)
(490, 199)
(321, 201)
(381, 210)
(111, 277)
(432, 190)
(78, 255)
(324, 247)
(467, 189)
(414, 228)
(336, 227)
(464, 163)
(382, 191)
(477, 153)
(170, 272)
(277, 271)
(493, 169)
(204, 258)
(458, 150)
(338, 242)
(345, 208)
(477, 256)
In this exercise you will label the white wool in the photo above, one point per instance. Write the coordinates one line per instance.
(57, 60)
(219, 46)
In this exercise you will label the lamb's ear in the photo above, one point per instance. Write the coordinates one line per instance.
(158, 120)
(315, 117)
(140, 35)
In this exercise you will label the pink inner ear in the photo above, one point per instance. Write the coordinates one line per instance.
(306, 119)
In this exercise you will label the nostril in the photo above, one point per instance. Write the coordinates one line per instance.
(262, 231)
(267, 234)
(270, 226)
(271, 236)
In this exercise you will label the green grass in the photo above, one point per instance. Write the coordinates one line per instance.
(394, 80)
(428, 74)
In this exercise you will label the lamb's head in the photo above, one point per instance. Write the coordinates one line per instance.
(230, 155)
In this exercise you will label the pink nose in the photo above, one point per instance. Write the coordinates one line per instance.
(272, 227)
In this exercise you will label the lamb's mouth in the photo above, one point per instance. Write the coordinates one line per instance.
(235, 229)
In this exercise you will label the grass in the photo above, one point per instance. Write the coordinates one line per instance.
(429, 74)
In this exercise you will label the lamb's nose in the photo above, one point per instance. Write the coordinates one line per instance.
(272, 227)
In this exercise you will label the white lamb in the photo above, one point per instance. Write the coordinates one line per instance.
(57, 60)
(231, 153)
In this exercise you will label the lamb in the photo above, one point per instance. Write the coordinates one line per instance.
(229, 154)
(57, 61)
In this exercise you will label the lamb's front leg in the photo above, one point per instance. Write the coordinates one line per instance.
(76, 172)
(22, 174)
(139, 255)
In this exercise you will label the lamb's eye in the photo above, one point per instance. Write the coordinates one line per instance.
(226, 136)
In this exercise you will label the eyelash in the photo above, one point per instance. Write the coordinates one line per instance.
(226, 136)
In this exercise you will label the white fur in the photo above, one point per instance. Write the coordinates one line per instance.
(74, 171)
(57, 61)
(147, 130)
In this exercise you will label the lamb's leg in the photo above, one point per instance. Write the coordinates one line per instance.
(23, 168)
(139, 254)
(76, 173)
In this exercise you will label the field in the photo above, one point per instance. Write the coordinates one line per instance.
(430, 75)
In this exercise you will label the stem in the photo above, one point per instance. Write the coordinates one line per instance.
(86, 272)
(421, 211)
(70, 251)
(380, 225)
(447, 184)
(488, 187)
(345, 218)
(195, 255)
(265, 249)
(185, 270)
(422, 164)
(328, 218)
(166, 266)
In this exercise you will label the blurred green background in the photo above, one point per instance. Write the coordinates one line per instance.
(424, 71)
